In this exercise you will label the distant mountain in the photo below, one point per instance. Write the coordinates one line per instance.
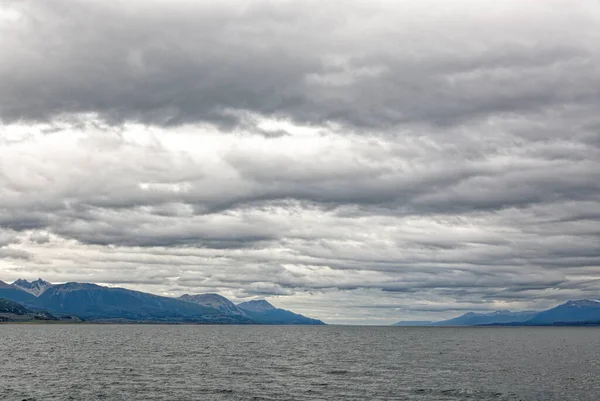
(259, 305)
(407, 323)
(263, 312)
(571, 312)
(13, 312)
(35, 288)
(214, 301)
(497, 317)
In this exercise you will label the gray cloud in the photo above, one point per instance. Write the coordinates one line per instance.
(347, 162)
(11, 253)
(7, 237)
(354, 63)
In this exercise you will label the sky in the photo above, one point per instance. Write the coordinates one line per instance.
(361, 162)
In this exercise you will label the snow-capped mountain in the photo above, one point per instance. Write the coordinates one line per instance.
(36, 287)
(584, 310)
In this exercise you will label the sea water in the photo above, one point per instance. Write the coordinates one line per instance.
(195, 362)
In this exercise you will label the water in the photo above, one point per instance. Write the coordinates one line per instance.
(145, 362)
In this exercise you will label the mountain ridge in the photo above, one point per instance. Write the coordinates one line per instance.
(35, 288)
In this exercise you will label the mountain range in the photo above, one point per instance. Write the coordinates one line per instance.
(571, 313)
(93, 302)
(40, 300)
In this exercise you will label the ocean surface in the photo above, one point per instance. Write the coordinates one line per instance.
(160, 362)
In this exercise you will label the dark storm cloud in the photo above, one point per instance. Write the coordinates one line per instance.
(169, 62)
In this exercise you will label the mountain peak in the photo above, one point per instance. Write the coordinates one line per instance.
(39, 281)
(212, 300)
(206, 298)
(258, 305)
(595, 303)
(36, 287)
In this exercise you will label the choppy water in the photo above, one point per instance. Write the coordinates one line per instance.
(143, 362)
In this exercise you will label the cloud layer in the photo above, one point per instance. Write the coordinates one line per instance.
(359, 162)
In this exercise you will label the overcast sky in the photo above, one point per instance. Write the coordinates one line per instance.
(355, 161)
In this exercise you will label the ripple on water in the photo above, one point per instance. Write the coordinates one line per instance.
(88, 362)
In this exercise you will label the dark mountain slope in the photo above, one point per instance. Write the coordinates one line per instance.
(7, 306)
(13, 312)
